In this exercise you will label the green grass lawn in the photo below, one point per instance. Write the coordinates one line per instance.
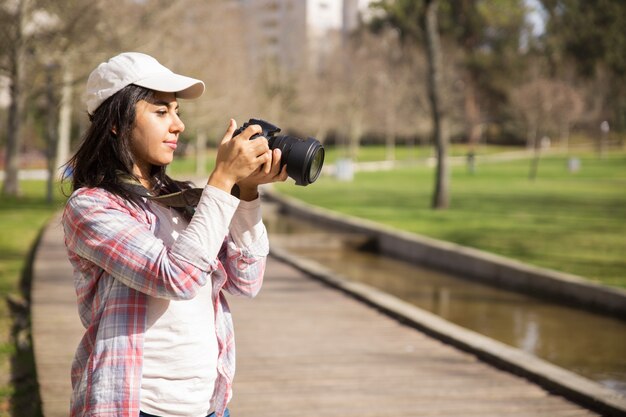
(20, 221)
(572, 222)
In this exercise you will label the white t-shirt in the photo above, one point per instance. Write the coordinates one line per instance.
(180, 343)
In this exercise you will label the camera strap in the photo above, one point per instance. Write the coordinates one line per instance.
(184, 199)
(180, 199)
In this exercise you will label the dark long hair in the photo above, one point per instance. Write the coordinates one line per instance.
(104, 156)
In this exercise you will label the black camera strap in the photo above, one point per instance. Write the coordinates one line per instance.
(186, 199)
(180, 199)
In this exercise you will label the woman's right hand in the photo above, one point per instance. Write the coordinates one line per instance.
(238, 157)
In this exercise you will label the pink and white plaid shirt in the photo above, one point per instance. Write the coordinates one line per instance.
(118, 262)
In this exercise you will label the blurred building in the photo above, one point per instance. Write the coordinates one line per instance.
(295, 34)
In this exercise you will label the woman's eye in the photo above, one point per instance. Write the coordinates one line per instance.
(161, 112)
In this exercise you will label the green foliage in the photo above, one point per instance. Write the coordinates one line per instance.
(592, 32)
(572, 222)
(488, 36)
(591, 35)
(404, 15)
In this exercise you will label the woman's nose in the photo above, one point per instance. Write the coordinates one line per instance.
(177, 125)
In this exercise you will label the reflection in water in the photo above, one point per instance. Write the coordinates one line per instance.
(589, 344)
(526, 331)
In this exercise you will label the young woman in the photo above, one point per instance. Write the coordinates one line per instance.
(150, 278)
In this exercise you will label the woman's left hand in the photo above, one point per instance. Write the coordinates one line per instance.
(267, 173)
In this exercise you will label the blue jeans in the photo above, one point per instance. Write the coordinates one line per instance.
(142, 414)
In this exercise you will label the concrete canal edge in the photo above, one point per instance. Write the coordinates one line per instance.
(469, 262)
(553, 378)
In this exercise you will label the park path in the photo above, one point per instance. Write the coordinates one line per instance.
(305, 349)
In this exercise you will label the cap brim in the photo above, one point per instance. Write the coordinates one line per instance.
(184, 87)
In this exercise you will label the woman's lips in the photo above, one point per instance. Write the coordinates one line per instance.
(171, 144)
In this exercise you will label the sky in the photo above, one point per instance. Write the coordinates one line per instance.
(536, 17)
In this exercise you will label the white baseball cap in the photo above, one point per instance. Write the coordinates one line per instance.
(139, 69)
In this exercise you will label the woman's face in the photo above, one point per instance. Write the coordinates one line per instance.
(155, 133)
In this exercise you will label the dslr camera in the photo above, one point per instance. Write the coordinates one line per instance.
(304, 157)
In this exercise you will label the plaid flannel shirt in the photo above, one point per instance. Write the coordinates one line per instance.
(118, 262)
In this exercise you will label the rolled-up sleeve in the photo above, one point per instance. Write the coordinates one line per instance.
(245, 251)
(247, 229)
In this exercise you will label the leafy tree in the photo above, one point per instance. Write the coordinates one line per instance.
(488, 34)
(486, 37)
(441, 198)
(418, 21)
(37, 38)
(591, 35)
(47, 46)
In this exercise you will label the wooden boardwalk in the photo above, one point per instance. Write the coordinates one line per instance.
(304, 349)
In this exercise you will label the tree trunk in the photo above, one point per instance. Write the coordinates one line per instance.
(472, 121)
(390, 131)
(11, 186)
(534, 163)
(50, 134)
(472, 113)
(201, 139)
(441, 199)
(356, 130)
(65, 122)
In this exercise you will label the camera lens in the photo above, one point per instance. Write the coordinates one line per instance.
(316, 164)
(304, 157)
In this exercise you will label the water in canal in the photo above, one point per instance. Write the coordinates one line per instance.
(589, 344)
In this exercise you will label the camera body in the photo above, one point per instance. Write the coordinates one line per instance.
(304, 157)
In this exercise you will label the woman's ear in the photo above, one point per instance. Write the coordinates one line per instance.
(114, 131)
